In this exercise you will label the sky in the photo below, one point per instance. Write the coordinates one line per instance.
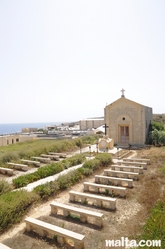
(64, 61)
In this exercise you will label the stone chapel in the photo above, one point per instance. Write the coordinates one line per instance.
(127, 122)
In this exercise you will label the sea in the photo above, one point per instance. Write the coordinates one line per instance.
(17, 127)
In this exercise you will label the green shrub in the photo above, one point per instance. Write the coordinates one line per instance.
(89, 139)
(23, 154)
(101, 160)
(8, 157)
(66, 164)
(157, 125)
(46, 190)
(74, 177)
(4, 187)
(85, 171)
(92, 164)
(88, 164)
(104, 158)
(76, 159)
(69, 179)
(48, 170)
(13, 206)
(24, 180)
(63, 182)
(96, 163)
(157, 137)
(42, 172)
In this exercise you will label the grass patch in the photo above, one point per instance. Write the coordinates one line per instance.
(13, 206)
(25, 150)
(73, 216)
(154, 229)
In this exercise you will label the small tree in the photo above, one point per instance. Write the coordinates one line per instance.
(158, 126)
(79, 143)
(157, 137)
(161, 137)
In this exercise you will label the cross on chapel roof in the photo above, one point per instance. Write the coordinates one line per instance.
(122, 93)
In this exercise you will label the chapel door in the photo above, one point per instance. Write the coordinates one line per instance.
(124, 134)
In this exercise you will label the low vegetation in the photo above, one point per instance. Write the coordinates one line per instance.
(156, 134)
(154, 228)
(15, 152)
(153, 198)
(158, 126)
(73, 177)
(48, 170)
(4, 187)
(157, 137)
(160, 118)
(13, 205)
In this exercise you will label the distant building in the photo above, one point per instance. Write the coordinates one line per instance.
(12, 139)
(127, 122)
(29, 130)
(90, 123)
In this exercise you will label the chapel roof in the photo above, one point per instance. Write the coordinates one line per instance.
(122, 98)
